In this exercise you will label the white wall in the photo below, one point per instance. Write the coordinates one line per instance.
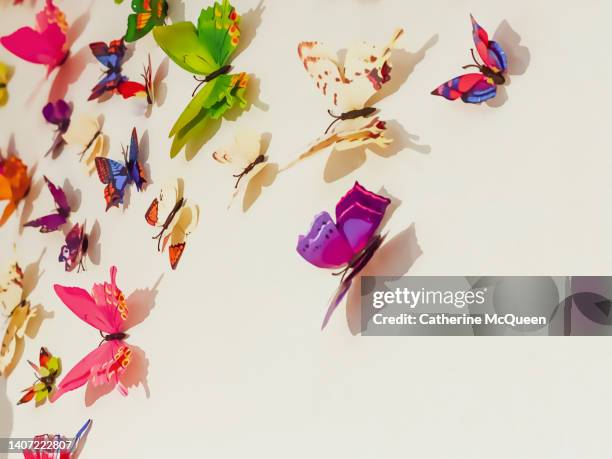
(237, 366)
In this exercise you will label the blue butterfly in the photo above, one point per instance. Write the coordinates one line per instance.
(117, 176)
(111, 57)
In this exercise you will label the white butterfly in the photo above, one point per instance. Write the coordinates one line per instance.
(244, 156)
(17, 313)
(85, 134)
(175, 218)
(349, 88)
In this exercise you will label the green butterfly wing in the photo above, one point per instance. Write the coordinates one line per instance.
(180, 42)
(210, 103)
(147, 14)
(218, 27)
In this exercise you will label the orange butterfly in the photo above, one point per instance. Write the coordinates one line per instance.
(14, 184)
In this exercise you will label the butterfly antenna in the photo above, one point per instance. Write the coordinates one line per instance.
(336, 119)
(201, 82)
(474, 57)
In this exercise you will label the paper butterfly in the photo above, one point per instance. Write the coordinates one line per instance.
(74, 250)
(47, 370)
(111, 56)
(5, 76)
(348, 243)
(244, 156)
(47, 44)
(117, 176)
(475, 88)
(14, 184)
(54, 221)
(85, 134)
(18, 312)
(147, 14)
(176, 220)
(59, 447)
(59, 114)
(349, 89)
(206, 51)
(106, 310)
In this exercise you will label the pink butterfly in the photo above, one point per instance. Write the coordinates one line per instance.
(106, 310)
(44, 45)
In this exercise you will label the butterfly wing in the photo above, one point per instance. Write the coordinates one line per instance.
(58, 196)
(15, 329)
(490, 52)
(324, 245)
(104, 365)
(135, 169)
(110, 55)
(48, 223)
(115, 176)
(321, 64)
(359, 214)
(11, 288)
(210, 103)
(58, 113)
(74, 248)
(472, 88)
(5, 76)
(45, 48)
(147, 14)
(83, 130)
(185, 222)
(218, 27)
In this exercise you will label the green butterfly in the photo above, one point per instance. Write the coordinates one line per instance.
(205, 51)
(147, 14)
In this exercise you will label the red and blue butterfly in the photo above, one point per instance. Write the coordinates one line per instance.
(111, 57)
(475, 88)
(117, 176)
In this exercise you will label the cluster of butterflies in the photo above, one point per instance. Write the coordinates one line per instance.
(203, 49)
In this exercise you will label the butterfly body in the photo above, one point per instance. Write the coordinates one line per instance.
(117, 176)
(105, 309)
(47, 371)
(46, 44)
(476, 88)
(347, 243)
(54, 221)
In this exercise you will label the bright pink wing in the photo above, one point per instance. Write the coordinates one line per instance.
(489, 51)
(106, 310)
(39, 48)
(104, 365)
(458, 86)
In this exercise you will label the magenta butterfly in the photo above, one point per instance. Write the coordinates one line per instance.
(44, 45)
(106, 310)
(348, 243)
(475, 88)
(74, 250)
(57, 219)
(59, 114)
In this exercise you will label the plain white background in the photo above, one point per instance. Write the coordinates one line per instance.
(237, 366)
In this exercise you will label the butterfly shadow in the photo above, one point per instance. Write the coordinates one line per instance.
(94, 249)
(140, 302)
(395, 258)
(73, 195)
(28, 201)
(143, 157)
(249, 23)
(265, 178)
(160, 87)
(6, 408)
(519, 58)
(404, 63)
(341, 163)
(71, 70)
(176, 11)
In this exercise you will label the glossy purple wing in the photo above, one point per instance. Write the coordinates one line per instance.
(359, 214)
(134, 167)
(346, 283)
(53, 222)
(58, 113)
(324, 245)
(490, 52)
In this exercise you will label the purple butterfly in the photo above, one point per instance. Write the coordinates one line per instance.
(57, 113)
(54, 221)
(349, 243)
(75, 249)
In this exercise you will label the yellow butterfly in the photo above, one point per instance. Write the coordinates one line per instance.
(85, 135)
(18, 314)
(6, 73)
